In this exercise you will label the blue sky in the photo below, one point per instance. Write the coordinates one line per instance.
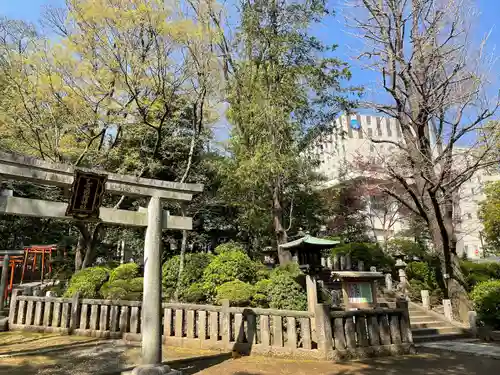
(331, 31)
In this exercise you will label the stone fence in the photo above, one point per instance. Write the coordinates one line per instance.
(344, 334)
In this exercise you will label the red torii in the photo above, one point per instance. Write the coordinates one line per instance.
(13, 261)
(32, 252)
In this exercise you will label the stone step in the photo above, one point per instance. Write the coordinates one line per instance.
(429, 324)
(434, 331)
(443, 337)
(421, 318)
(414, 309)
(419, 314)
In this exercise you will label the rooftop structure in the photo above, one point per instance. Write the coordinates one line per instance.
(349, 143)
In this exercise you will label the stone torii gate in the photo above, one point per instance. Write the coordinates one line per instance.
(154, 218)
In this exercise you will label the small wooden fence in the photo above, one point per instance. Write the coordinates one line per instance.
(246, 330)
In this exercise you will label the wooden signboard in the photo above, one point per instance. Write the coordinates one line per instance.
(359, 294)
(87, 192)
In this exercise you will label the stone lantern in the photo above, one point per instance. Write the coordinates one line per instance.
(401, 266)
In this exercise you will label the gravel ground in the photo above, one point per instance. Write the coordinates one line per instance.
(84, 356)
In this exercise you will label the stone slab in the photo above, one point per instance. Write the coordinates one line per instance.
(473, 347)
(153, 370)
(27, 168)
(57, 210)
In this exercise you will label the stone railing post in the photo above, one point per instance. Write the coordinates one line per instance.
(473, 323)
(448, 311)
(13, 305)
(75, 310)
(336, 262)
(361, 265)
(225, 323)
(323, 327)
(329, 262)
(405, 324)
(312, 297)
(403, 281)
(3, 280)
(348, 263)
(388, 282)
(342, 262)
(426, 300)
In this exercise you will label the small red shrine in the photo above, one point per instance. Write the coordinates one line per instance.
(32, 263)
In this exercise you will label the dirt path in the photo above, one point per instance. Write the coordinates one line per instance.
(33, 354)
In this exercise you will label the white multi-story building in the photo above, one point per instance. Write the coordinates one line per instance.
(349, 143)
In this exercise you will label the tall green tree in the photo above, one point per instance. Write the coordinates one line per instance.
(282, 87)
(128, 88)
(489, 213)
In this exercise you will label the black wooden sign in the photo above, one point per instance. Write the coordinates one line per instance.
(86, 195)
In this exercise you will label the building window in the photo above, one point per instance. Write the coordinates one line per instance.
(469, 216)
(466, 249)
(349, 131)
(370, 132)
(369, 120)
(379, 127)
(398, 130)
(372, 148)
(388, 124)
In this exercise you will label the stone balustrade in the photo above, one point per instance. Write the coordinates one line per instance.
(318, 335)
(370, 332)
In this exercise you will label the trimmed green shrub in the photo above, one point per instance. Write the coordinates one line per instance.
(475, 273)
(486, 298)
(194, 266)
(261, 296)
(422, 276)
(290, 269)
(414, 289)
(228, 266)
(136, 284)
(123, 289)
(88, 282)
(195, 293)
(418, 271)
(263, 272)
(286, 293)
(117, 289)
(125, 271)
(228, 247)
(263, 286)
(237, 292)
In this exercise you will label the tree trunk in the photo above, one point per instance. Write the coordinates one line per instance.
(79, 252)
(284, 256)
(443, 238)
(86, 245)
